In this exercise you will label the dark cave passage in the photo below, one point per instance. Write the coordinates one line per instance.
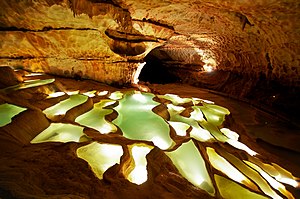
(156, 71)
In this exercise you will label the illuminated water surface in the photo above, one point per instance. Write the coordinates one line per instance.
(138, 122)
(60, 132)
(62, 107)
(100, 156)
(95, 118)
(191, 165)
(7, 112)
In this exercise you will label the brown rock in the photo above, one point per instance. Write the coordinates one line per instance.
(8, 77)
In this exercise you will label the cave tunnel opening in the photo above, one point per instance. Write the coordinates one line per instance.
(156, 70)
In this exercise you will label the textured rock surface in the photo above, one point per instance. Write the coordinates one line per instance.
(253, 37)
(251, 46)
(53, 170)
(75, 38)
(245, 36)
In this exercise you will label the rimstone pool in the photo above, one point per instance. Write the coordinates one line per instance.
(123, 127)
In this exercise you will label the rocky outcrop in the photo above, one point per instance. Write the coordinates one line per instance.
(8, 77)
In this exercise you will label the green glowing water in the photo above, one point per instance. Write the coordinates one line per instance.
(197, 132)
(30, 84)
(95, 118)
(191, 165)
(258, 179)
(231, 190)
(100, 156)
(175, 99)
(137, 120)
(7, 112)
(62, 107)
(60, 132)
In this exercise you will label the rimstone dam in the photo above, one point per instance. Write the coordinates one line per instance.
(127, 99)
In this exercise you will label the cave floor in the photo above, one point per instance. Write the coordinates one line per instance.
(271, 132)
(52, 170)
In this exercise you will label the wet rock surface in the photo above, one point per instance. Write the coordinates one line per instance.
(52, 169)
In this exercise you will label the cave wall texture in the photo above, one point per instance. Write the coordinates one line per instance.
(88, 39)
(250, 45)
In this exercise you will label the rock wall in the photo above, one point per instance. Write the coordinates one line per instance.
(88, 39)
(105, 40)
(254, 37)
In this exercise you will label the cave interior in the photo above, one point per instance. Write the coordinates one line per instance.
(154, 99)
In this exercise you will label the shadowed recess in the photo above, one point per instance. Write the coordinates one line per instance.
(155, 72)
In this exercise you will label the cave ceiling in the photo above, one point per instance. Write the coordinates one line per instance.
(105, 40)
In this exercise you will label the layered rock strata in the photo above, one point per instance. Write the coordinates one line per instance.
(84, 39)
